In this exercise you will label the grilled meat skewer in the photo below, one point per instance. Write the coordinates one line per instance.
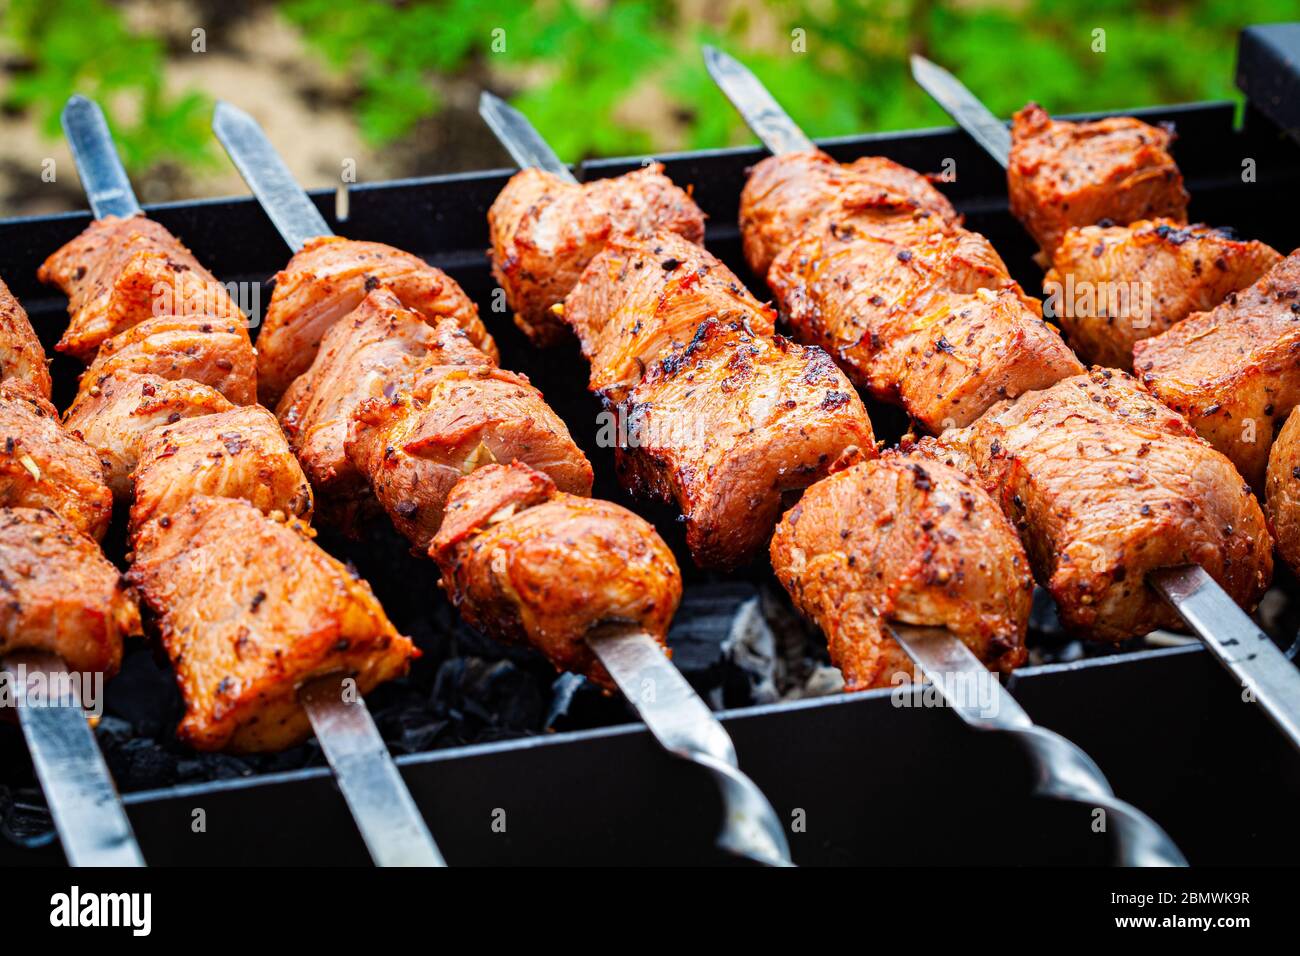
(545, 231)
(1106, 485)
(906, 539)
(394, 411)
(112, 274)
(725, 420)
(1062, 174)
(22, 357)
(326, 280)
(115, 413)
(1282, 491)
(868, 261)
(530, 564)
(1106, 203)
(67, 610)
(44, 466)
(1181, 269)
(1232, 371)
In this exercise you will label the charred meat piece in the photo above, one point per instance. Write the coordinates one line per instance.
(532, 565)
(545, 231)
(1233, 372)
(236, 454)
(120, 272)
(372, 353)
(786, 196)
(202, 348)
(920, 312)
(452, 420)
(1106, 484)
(642, 298)
(1112, 286)
(1282, 490)
(60, 594)
(1064, 174)
(114, 415)
(326, 280)
(21, 354)
(730, 426)
(909, 540)
(43, 466)
(248, 609)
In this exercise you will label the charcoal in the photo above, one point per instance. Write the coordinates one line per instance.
(578, 704)
(24, 817)
(411, 730)
(142, 762)
(723, 645)
(494, 694)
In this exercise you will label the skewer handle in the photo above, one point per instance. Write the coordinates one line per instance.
(964, 107)
(103, 177)
(385, 812)
(756, 105)
(520, 138)
(1065, 772)
(88, 814)
(1271, 679)
(685, 727)
(291, 210)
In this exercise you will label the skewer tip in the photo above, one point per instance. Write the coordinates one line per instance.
(489, 101)
(225, 112)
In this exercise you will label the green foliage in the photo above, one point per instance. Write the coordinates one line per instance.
(582, 69)
(84, 46)
(623, 76)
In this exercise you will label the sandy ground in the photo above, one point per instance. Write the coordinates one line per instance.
(257, 61)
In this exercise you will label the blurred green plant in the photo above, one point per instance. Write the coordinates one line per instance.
(625, 76)
(582, 69)
(85, 46)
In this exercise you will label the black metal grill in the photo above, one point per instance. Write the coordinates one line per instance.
(484, 729)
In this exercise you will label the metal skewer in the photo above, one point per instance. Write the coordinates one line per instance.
(679, 720)
(964, 107)
(1065, 771)
(1234, 639)
(381, 805)
(87, 811)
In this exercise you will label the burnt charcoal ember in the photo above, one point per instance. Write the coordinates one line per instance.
(723, 645)
(24, 817)
(497, 695)
(143, 763)
(411, 730)
(578, 704)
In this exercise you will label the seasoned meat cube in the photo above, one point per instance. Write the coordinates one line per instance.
(1282, 489)
(1112, 286)
(202, 348)
(43, 466)
(545, 231)
(1064, 174)
(922, 313)
(114, 415)
(120, 272)
(372, 353)
(909, 540)
(249, 609)
(1233, 371)
(531, 565)
(1105, 484)
(786, 196)
(236, 454)
(60, 594)
(729, 426)
(21, 354)
(641, 298)
(326, 281)
(453, 419)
